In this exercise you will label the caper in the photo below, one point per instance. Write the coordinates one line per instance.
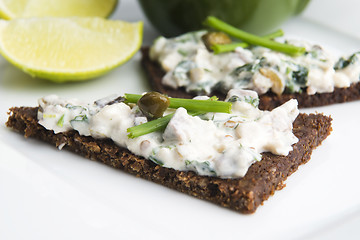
(153, 105)
(212, 38)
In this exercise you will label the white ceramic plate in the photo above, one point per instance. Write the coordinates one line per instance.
(50, 194)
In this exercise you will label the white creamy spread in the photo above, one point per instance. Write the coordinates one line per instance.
(213, 144)
(189, 64)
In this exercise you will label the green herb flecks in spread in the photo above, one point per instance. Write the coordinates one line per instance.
(210, 137)
(301, 67)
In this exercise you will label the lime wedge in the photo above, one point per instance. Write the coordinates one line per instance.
(68, 49)
(10, 9)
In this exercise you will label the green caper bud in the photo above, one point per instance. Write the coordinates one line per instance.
(212, 38)
(153, 105)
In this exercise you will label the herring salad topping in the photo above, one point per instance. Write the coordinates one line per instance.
(212, 144)
(188, 63)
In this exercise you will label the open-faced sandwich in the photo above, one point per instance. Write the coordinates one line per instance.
(210, 63)
(227, 152)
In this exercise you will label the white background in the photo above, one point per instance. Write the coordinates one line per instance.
(50, 194)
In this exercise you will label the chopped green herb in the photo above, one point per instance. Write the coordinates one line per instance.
(49, 116)
(300, 76)
(80, 118)
(60, 122)
(298, 80)
(158, 162)
(181, 71)
(183, 52)
(72, 107)
(242, 75)
(201, 167)
(169, 147)
(251, 100)
(343, 63)
(250, 67)
(256, 156)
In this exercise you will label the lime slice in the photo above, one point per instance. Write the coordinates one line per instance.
(68, 49)
(10, 9)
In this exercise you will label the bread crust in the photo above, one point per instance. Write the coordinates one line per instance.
(242, 194)
(268, 101)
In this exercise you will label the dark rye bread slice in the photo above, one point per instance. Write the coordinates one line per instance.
(268, 101)
(243, 194)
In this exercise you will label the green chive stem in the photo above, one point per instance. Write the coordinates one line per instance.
(190, 104)
(221, 48)
(148, 127)
(154, 125)
(252, 39)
